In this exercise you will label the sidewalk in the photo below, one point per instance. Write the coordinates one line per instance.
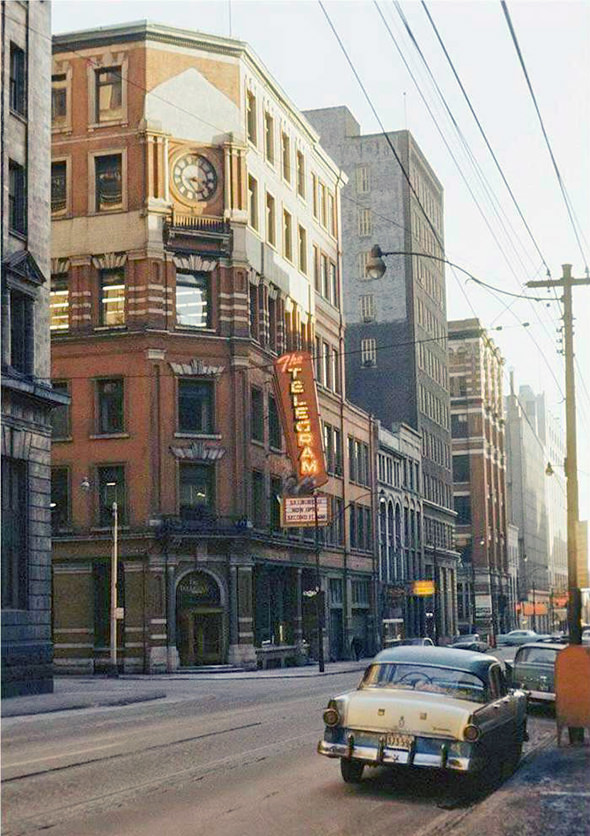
(549, 793)
(77, 692)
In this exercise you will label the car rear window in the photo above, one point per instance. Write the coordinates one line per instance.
(537, 655)
(429, 678)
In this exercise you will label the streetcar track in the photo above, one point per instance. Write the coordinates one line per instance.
(117, 755)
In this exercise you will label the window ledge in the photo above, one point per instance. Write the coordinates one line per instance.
(194, 329)
(107, 529)
(21, 117)
(114, 211)
(108, 123)
(257, 442)
(207, 436)
(110, 327)
(275, 449)
(65, 438)
(108, 436)
(22, 236)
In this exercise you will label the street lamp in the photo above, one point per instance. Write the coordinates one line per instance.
(114, 670)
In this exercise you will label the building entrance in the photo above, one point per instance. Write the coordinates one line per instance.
(199, 620)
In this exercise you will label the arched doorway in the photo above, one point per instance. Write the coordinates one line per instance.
(199, 620)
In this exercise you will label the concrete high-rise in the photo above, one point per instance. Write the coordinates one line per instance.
(396, 360)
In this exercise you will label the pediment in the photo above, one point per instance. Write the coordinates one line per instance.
(23, 265)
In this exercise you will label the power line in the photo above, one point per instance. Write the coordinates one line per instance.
(545, 136)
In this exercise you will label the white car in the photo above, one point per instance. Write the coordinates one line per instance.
(430, 707)
(516, 637)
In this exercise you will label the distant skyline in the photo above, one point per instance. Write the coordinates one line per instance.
(295, 42)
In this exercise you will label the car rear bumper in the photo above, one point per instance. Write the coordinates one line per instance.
(396, 757)
(541, 696)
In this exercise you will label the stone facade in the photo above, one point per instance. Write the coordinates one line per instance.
(479, 476)
(401, 543)
(27, 397)
(396, 327)
(211, 247)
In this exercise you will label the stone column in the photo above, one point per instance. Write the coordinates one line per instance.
(242, 653)
(172, 659)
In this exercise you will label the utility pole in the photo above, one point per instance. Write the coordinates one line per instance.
(567, 282)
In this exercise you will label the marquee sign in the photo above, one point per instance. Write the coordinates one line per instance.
(298, 403)
(423, 588)
(304, 511)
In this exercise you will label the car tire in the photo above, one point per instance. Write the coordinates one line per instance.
(351, 771)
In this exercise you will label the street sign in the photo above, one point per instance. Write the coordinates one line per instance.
(300, 511)
(423, 588)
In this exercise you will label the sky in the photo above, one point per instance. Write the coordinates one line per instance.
(485, 229)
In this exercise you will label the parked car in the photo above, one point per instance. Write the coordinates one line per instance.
(533, 669)
(586, 635)
(516, 637)
(475, 645)
(466, 637)
(415, 642)
(427, 707)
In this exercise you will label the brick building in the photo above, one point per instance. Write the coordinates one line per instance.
(195, 238)
(479, 477)
(396, 326)
(27, 397)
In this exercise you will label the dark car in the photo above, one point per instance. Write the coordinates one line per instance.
(533, 669)
(415, 642)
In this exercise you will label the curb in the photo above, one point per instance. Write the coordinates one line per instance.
(227, 677)
(88, 703)
(447, 822)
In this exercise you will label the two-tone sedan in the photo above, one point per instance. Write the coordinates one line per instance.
(428, 707)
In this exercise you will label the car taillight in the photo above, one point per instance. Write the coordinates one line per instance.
(471, 733)
(331, 717)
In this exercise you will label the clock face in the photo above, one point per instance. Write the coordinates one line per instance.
(194, 177)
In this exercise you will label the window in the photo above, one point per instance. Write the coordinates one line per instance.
(108, 179)
(333, 284)
(314, 189)
(60, 415)
(367, 307)
(258, 499)
(287, 235)
(369, 352)
(276, 489)
(251, 117)
(460, 468)
(362, 265)
(111, 488)
(302, 249)
(59, 100)
(14, 533)
(271, 223)
(196, 490)
(273, 340)
(253, 311)
(21, 332)
(195, 406)
(257, 415)
(193, 299)
(18, 81)
(352, 462)
(324, 278)
(110, 406)
(365, 222)
(331, 215)
(363, 180)
(59, 302)
(269, 138)
(274, 424)
(17, 198)
(60, 498)
(463, 509)
(316, 269)
(58, 187)
(459, 426)
(286, 153)
(109, 94)
(300, 174)
(361, 591)
(253, 202)
(323, 206)
(327, 366)
(335, 591)
(112, 297)
(336, 371)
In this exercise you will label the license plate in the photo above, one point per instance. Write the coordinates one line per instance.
(394, 740)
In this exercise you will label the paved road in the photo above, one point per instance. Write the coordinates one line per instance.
(217, 758)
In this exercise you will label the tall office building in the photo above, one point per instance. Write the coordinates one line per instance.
(27, 397)
(396, 326)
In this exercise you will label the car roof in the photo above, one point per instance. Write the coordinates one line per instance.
(550, 645)
(463, 660)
